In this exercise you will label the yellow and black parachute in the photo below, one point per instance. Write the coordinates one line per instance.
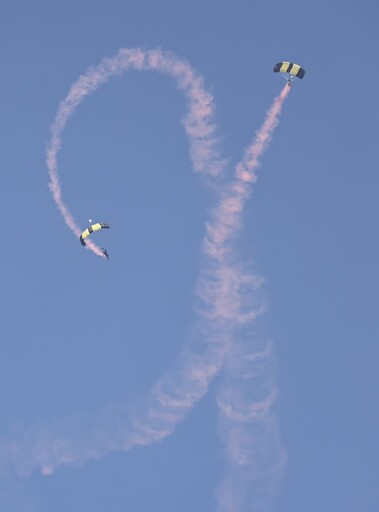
(93, 227)
(290, 68)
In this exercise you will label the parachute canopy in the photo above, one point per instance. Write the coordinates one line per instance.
(290, 68)
(93, 227)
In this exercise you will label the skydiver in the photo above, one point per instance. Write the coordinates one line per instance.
(104, 251)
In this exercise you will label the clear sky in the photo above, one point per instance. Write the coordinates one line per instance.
(119, 389)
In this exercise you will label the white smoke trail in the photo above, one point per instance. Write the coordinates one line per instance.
(198, 123)
(73, 440)
(223, 309)
(248, 425)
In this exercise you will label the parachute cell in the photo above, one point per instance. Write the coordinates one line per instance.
(94, 227)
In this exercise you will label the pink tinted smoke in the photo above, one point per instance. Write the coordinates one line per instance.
(197, 123)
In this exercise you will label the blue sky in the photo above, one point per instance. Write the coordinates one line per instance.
(81, 336)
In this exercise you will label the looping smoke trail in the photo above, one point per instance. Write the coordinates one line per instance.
(229, 304)
(197, 123)
(72, 440)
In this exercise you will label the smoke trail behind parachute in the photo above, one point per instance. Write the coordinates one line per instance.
(228, 294)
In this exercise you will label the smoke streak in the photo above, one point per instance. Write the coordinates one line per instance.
(72, 440)
(248, 426)
(230, 303)
(197, 123)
